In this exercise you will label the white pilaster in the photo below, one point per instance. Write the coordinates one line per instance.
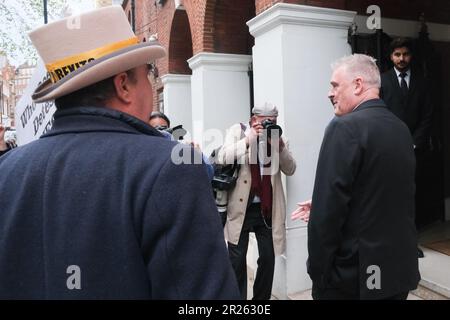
(177, 99)
(220, 94)
(294, 47)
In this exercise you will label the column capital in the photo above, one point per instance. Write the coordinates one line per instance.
(175, 78)
(220, 61)
(283, 13)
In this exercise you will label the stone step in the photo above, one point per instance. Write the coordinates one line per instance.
(431, 291)
(434, 271)
(419, 294)
(304, 295)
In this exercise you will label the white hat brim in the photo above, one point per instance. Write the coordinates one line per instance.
(100, 69)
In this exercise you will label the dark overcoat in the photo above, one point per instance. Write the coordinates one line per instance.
(361, 233)
(96, 208)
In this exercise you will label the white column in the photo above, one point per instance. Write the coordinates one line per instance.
(294, 47)
(177, 99)
(220, 94)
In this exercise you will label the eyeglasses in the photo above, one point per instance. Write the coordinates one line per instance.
(153, 70)
(150, 68)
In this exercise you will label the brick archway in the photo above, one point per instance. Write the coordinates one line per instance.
(225, 29)
(180, 46)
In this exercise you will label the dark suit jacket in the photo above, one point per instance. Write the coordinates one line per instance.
(101, 192)
(416, 110)
(362, 211)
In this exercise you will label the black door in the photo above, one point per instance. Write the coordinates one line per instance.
(430, 198)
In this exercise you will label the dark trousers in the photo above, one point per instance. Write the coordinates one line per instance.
(254, 222)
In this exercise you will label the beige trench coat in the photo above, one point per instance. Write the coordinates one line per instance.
(235, 148)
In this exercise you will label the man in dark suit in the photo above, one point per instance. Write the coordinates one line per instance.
(361, 234)
(405, 92)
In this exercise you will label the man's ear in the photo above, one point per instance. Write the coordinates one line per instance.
(122, 85)
(358, 86)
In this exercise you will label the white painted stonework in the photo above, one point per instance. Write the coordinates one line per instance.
(177, 99)
(220, 95)
(294, 47)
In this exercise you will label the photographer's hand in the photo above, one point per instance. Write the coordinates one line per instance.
(255, 131)
(282, 145)
(3, 145)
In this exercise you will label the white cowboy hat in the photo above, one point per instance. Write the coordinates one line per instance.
(82, 50)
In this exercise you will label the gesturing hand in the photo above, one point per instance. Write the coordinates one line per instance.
(302, 212)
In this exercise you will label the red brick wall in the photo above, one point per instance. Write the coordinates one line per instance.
(204, 26)
(207, 27)
(180, 47)
(220, 25)
(230, 29)
(152, 18)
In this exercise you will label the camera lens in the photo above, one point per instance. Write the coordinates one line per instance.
(269, 125)
(221, 199)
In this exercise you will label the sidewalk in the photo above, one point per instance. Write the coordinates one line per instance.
(306, 295)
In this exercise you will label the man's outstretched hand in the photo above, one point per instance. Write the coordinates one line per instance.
(302, 212)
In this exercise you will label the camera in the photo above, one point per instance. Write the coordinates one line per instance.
(269, 125)
(223, 181)
(225, 177)
(221, 184)
(221, 204)
(177, 132)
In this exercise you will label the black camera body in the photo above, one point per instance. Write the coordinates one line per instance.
(269, 125)
(177, 132)
(224, 180)
(224, 177)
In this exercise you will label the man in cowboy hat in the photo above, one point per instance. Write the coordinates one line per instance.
(96, 208)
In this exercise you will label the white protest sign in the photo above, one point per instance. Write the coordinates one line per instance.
(33, 120)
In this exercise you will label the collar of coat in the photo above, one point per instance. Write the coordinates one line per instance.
(98, 119)
(372, 103)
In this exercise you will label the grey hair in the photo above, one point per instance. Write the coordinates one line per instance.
(360, 65)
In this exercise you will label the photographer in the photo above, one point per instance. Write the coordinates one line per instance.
(161, 122)
(257, 202)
